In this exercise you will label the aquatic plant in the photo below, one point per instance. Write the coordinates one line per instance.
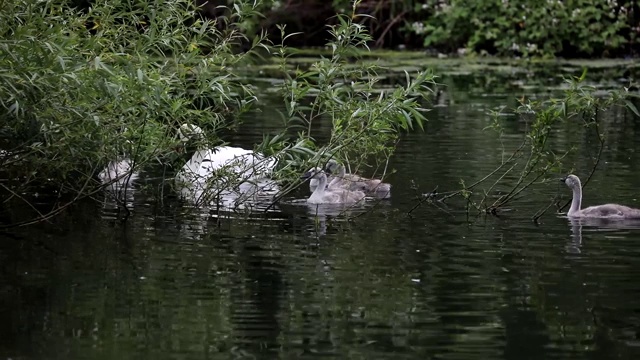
(537, 160)
(366, 119)
(83, 86)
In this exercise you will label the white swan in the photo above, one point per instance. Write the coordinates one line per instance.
(324, 195)
(232, 172)
(608, 211)
(204, 162)
(355, 182)
(118, 174)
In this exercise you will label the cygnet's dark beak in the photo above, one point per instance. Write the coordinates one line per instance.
(306, 175)
(563, 179)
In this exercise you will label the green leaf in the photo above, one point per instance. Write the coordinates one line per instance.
(632, 107)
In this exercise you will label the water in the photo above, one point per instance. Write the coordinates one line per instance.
(180, 283)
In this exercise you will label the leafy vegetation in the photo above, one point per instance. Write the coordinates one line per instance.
(518, 27)
(580, 28)
(366, 120)
(80, 88)
(536, 160)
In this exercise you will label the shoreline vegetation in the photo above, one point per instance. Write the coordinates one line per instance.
(86, 84)
(506, 28)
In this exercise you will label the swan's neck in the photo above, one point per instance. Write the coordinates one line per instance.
(335, 182)
(577, 200)
(190, 154)
(337, 179)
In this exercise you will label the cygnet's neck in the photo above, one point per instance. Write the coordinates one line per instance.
(577, 199)
(322, 183)
(337, 179)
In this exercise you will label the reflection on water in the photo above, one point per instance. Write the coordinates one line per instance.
(258, 195)
(308, 281)
(118, 179)
(616, 227)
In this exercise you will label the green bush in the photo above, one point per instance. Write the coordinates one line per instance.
(79, 88)
(366, 120)
(521, 27)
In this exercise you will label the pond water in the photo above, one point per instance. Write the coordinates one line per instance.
(182, 283)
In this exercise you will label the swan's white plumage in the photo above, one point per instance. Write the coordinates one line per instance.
(324, 195)
(118, 173)
(245, 163)
(231, 174)
(608, 211)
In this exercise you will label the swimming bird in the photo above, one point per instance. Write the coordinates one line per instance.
(324, 195)
(313, 183)
(118, 174)
(608, 211)
(223, 174)
(235, 161)
(344, 180)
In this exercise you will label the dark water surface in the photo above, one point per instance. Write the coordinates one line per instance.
(179, 283)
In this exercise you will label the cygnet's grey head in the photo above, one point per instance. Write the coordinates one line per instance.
(571, 181)
(332, 167)
(313, 173)
(189, 132)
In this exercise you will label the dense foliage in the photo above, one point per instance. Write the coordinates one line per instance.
(81, 87)
(366, 120)
(580, 28)
(527, 28)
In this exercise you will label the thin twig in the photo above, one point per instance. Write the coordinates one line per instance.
(539, 214)
(597, 161)
(486, 177)
(498, 180)
(423, 198)
(52, 213)
(396, 19)
(21, 198)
